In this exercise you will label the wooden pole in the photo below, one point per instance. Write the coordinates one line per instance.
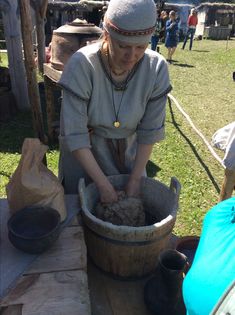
(12, 31)
(228, 184)
(26, 28)
(40, 7)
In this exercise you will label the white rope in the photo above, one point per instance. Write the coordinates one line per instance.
(195, 129)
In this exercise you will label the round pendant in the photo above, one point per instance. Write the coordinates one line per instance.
(116, 124)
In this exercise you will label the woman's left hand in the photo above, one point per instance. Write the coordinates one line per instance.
(133, 187)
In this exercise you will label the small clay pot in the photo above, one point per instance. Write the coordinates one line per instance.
(33, 230)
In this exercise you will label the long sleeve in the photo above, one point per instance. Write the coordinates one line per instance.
(151, 128)
(73, 122)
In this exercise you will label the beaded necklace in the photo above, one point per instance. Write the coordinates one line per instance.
(117, 123)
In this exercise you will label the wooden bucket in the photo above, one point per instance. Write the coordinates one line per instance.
(125, 251)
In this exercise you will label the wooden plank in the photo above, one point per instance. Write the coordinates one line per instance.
(56, 293)
(68, 253)
(115, 297)
(11, 310)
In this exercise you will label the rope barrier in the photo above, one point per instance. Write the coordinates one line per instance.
(171, 97)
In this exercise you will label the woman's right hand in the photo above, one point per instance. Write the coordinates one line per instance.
(107, 193)
(88, 162)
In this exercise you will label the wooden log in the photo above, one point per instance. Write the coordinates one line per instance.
(11, 22)
(40, 7)
(26, 26)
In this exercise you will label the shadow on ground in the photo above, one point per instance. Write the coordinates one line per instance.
(152, 169)
(183, 65)
(201, 51)
(194, 150)
(20, 126)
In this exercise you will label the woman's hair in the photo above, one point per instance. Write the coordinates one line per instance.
(172, 13)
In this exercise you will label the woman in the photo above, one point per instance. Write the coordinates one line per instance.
(114, 96)
(192, 23)
(171, 35)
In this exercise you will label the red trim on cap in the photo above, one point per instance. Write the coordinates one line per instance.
(121, 31)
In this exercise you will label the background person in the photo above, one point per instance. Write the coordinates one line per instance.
(192, 23)
(104, 9)
(156, 35)
(114, 99)
(164, 17)
(171, 35)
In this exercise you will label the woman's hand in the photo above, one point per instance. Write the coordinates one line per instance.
(141, 159)
(88, 162)
(107, 193)
(133, 187)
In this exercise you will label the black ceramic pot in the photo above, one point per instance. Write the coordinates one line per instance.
(34, 229)
(163, 292)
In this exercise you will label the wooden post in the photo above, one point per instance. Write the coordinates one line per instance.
(40, 7)
(11, 23)
(228, 184)
(26, 27)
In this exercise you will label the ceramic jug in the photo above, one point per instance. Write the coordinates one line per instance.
(163, 291)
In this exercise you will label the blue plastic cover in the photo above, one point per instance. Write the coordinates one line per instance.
(213, 268)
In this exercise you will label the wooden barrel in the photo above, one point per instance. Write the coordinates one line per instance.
(125, 251)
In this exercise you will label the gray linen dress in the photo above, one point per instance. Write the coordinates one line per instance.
(88, 103)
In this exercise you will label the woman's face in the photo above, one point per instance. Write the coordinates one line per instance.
(124, 55)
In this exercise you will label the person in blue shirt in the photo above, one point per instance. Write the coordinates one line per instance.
(171, 35)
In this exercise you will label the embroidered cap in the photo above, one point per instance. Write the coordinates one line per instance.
(131, 21)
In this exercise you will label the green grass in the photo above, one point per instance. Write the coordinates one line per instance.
(202, 84)
(3, 59)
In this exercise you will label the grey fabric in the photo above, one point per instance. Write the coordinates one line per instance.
(142, 111)
(131, 15)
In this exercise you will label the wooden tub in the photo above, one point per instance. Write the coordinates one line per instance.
(125, 251)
